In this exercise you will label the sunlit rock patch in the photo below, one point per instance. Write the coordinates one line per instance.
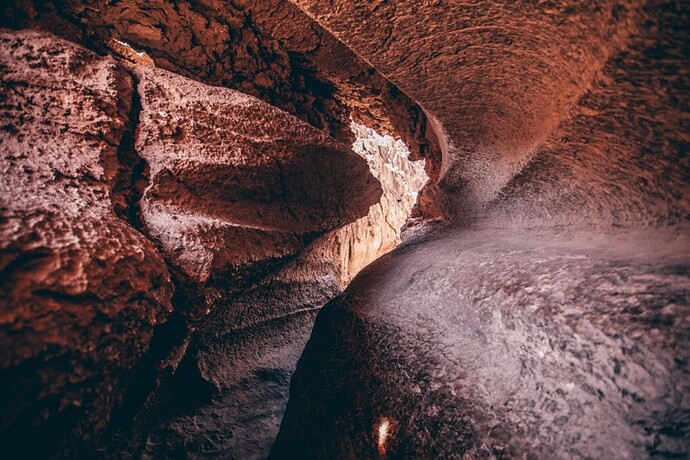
(368, 238)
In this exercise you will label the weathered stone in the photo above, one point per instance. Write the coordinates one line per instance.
(550, 319)
(495, 344)
(547, 316)
(504, 82)
(268, 49)
(81, 290)
(358, 244)
(246, 351)
(236, 183)
(225, 187)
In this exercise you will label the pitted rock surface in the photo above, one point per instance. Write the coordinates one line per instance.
(118, 182)
(236, 183)
(546, 89)
(269, 49)
(81, 289)
(507, 347)
(542, 314)
(548, 318)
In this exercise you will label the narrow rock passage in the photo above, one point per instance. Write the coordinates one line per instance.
(86, 244)
(243, 356)
(185, 184)
(547, 317)
(237, 399)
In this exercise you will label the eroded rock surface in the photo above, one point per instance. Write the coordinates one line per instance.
(242, 357)
(549, 320)
(81, 289)
(268, 49)
(546, 316)
(365, 240)
(500, 81)
(510, 346)
(117, 182)
(237, 185)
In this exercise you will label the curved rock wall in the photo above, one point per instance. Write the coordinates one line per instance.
(237, 185)
(544, 313)
(548, 317)
(500, 345)
(268, 49)
(505, 81)
(241, 358)
(118, 183)
(71, 330)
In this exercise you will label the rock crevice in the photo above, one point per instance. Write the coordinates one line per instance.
(202, 202)
(133, 175)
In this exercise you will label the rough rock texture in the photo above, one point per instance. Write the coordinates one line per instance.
(485, 344)
(111, 178)
(500, 79)
(227, 397)
(241, 358)
(620, 158)
(238, 185)
(546, 318)
(550, 319)
(81, 289)
(358, 244)
(268, 49)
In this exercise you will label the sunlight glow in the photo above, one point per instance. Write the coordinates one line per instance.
(384, 432)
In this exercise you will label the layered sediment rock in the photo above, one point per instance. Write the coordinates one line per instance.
(237, 185)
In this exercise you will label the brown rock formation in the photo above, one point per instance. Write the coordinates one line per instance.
(81, 289)
(268, 49)
(358, 244)
(245, 353)
(550, 319)
(513, 346)
(504, 83)
(543, 314)
(223, 186)
(238, 185)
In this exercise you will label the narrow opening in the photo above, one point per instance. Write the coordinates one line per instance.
(368, 238)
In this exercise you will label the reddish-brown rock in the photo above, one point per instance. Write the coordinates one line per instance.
(236, 184)
(111, 174)
(504, 83)
(549, 319)
(268, 49)
(81, 290)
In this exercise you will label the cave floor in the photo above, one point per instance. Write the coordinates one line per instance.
(486, 342)
(230, 406)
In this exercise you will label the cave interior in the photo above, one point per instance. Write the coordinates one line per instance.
(347, 229)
